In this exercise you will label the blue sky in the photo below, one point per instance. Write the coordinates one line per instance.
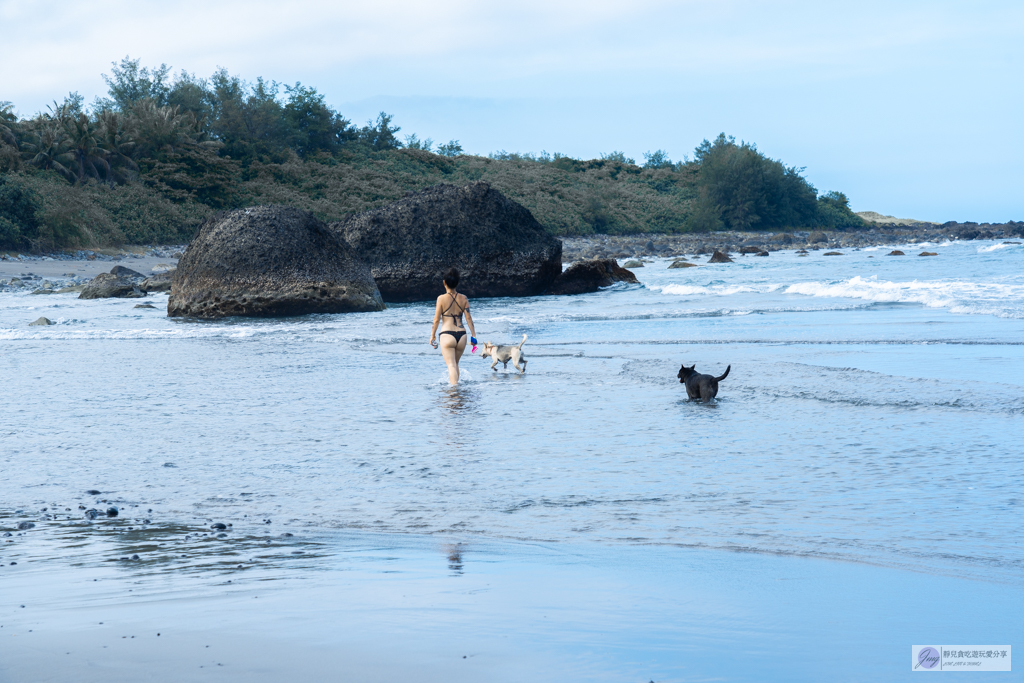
(911, 108)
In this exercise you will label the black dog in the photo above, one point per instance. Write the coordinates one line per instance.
(704, 387)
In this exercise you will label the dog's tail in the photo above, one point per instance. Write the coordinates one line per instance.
(724, 374)
(522, 342)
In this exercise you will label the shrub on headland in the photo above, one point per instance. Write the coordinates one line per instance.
(159, 154)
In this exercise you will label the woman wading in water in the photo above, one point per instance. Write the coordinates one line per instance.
(451, 306)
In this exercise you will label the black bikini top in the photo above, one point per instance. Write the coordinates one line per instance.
(456, 318)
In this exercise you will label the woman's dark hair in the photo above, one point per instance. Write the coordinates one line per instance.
(451, 278)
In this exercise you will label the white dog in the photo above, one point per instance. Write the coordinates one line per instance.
(504, 354)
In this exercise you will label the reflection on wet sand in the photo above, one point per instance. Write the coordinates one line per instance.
(456, 399)
(454, 553)
(143, 547)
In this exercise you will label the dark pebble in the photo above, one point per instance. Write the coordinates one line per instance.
(218, 525)
(287, 535)
(135, 557)
(92, 514)
(26, 525)
(111, 512)
(12, 564)
(222, 535)
(93, 492)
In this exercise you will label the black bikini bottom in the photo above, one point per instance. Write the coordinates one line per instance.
(457, 335)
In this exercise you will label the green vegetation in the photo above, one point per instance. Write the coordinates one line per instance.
(159, 154)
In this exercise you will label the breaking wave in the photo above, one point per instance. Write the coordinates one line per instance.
(1001, 299)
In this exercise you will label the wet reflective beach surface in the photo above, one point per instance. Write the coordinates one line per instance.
(866, 440)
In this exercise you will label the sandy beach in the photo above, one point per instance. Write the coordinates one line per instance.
(380, 608)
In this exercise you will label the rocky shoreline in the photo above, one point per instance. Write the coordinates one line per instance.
(19, 272)
(667, 246)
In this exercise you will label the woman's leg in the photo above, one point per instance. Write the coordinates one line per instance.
(450, 351)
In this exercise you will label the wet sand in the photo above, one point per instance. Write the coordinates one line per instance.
(385, 608)
(83, 268)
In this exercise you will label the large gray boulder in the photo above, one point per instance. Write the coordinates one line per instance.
(498, 246)
(269, 261)
(109, 286)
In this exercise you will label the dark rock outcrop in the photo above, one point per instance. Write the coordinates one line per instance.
(719, 257)
(269, 261)
(895, 252)
(589, 276)
(161, 282)
(121, 271)
(498, 246)
(108, 286)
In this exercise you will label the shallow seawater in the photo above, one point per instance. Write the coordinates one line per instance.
(872, 413)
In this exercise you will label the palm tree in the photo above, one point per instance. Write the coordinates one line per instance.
(162, 129)
(47, 147)
(85, 148)
(117, 139)
(8, 123)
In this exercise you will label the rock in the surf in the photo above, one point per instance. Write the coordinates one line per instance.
(160, 282)
(121, 271)
(498, 246)
(589, 276)
(109, 286)
(719, 257)
(269, 261)
(895, 252)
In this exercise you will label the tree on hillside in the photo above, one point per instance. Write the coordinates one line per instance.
(249, 120)
(129, 83)
(749, 190)
(380, 134)
(413, 142)
(452, 148)
(315, 126)
(619, 157)
(834, 212)
(657, 159)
